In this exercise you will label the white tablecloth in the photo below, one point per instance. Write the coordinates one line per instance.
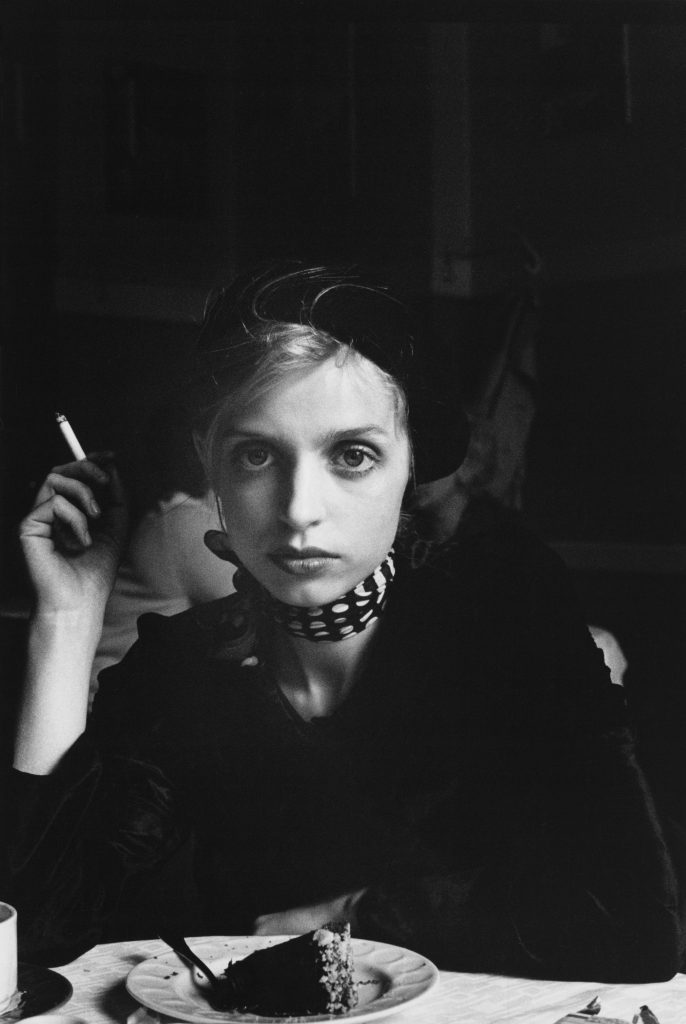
(100, 995)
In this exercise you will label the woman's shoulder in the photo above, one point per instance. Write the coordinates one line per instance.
(501, 600)
(202, 639)
(495, 577)
(180, 671)
(223, 619)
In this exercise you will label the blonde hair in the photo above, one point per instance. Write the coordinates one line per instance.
(266, 355)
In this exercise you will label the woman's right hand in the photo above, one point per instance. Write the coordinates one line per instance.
(74, 536)
(72, 539)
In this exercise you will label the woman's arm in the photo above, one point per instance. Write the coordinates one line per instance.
(72, 548)
(78, 837)
(582, 891)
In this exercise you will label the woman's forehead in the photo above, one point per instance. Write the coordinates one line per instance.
(335, 393)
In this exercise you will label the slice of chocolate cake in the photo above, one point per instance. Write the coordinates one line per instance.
(310, 974)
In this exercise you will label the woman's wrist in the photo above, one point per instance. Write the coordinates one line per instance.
(54, 706)
(65, 637)
(61, 624)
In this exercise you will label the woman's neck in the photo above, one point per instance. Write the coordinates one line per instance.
(316, 678)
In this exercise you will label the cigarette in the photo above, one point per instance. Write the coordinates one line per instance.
(69, 436)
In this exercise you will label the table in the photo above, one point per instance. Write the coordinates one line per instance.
(100, 995)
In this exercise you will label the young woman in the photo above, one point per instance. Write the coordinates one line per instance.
(433, 751)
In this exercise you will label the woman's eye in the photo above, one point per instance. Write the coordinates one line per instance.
(253, 458)
(355, 459)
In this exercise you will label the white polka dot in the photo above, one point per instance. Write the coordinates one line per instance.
(347, 629)
(339, 608)
(338, 621)
(317, 625)
(361, 604)
(322, 632)
(314, 611)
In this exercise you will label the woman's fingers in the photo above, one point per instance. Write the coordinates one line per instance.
(78, 492)
(74, 536)
(86, 471)
(75, 497)
(58, 518)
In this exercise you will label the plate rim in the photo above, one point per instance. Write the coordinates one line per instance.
(358, 1014)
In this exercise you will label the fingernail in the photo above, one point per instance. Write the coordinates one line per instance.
(95, 508)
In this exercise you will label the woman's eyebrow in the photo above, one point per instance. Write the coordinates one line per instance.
(329, 437)
(332, 436)
(238, 432)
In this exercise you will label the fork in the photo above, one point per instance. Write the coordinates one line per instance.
(182, 949)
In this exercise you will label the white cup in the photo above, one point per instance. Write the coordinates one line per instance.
(8, 955)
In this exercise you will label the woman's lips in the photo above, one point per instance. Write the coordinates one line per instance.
(308, 562)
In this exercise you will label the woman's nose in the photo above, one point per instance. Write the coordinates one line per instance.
(302, 502)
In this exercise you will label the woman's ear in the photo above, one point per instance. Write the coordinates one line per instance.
(218, 543)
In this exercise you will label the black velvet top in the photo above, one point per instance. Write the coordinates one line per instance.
(480, 783)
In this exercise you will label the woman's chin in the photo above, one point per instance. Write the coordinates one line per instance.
(302, 592)
(306, 595)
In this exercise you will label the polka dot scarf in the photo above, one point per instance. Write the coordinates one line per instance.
(340, 619)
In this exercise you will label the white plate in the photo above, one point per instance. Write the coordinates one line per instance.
(54, 1018)
(390, 977)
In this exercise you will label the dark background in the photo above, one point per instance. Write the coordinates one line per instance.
(146, 159)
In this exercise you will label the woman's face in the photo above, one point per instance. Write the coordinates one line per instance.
(313, 475)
